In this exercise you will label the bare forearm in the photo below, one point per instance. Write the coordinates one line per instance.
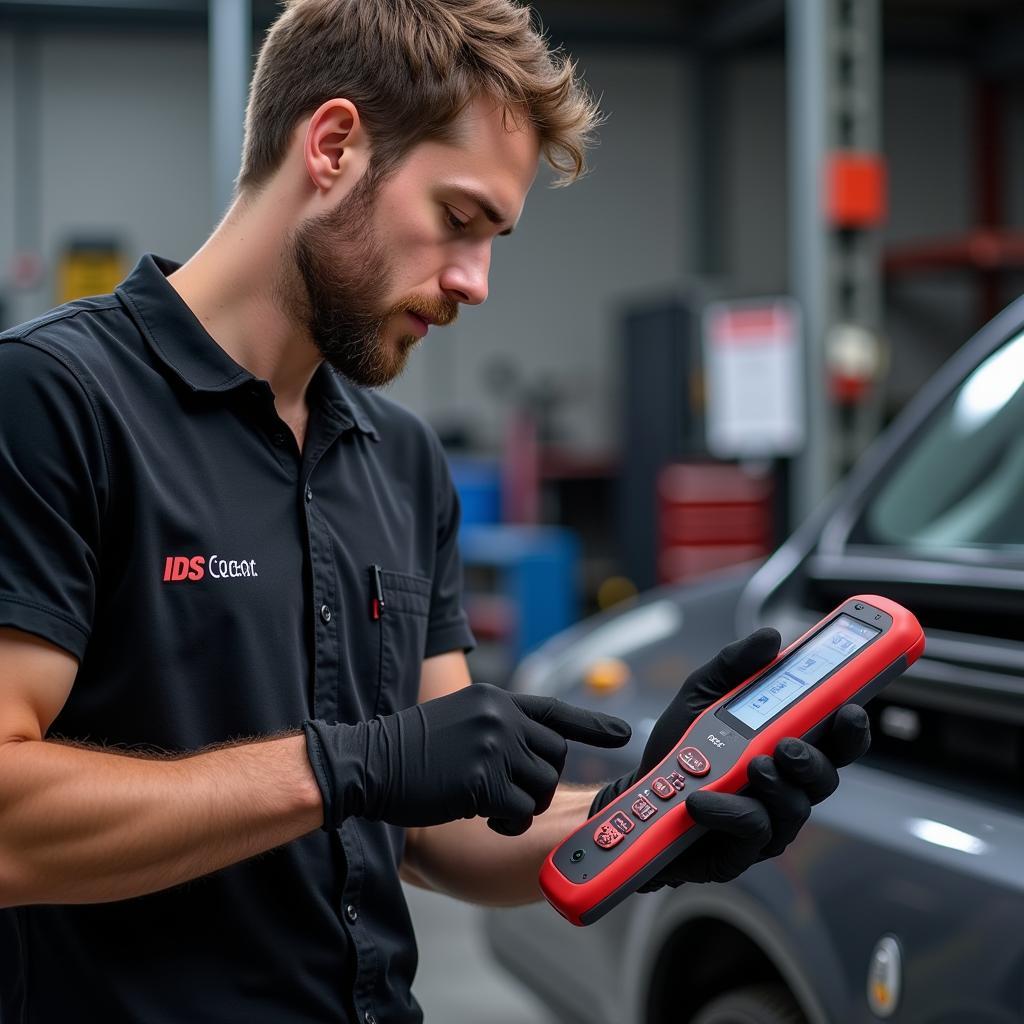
(81, 825)
(468, 860)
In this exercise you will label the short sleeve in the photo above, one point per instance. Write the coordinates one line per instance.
(53, 487)
(448, 629)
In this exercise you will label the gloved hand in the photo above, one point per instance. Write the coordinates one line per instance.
(761, 823)
(478, 751)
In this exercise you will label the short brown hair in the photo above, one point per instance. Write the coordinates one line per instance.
(410, 67)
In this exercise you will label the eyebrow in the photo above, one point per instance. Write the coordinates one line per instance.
(481, 200)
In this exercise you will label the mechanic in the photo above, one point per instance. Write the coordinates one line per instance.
(234, 700)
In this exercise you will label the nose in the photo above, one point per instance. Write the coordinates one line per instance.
(465, 280)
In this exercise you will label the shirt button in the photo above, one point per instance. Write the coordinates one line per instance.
(309, 494)
(351, 913)
(325, 612)
(279, 438)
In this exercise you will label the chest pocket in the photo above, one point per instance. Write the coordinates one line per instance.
(403, 639)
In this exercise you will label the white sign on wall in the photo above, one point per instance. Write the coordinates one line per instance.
(753, 373)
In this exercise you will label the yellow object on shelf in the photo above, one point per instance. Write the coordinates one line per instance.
(88, 268)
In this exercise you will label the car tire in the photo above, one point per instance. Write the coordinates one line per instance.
(758, 1004)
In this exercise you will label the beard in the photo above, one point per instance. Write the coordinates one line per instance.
(337, 275)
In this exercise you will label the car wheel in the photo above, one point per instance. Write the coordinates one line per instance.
(758, 1004)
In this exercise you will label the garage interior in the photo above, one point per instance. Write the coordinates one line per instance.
(837, 183)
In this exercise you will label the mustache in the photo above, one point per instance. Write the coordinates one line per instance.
(436, 311)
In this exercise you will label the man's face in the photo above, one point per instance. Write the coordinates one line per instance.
(369, 277)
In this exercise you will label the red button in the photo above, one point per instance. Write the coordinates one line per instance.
(663, 788)
(607, 836)
(643, 808)
(678, 782)
(691, 760)
(622, 822)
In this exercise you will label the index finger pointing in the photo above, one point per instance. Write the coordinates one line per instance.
(574, 723)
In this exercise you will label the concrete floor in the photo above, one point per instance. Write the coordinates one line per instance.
(458, 982)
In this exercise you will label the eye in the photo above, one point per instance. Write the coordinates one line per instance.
(453, 222)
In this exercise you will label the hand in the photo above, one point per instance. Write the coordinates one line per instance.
(761, 823)
(478, 751)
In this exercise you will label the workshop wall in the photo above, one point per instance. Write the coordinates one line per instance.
(123, 146)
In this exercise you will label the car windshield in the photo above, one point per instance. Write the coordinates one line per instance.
(962, 483)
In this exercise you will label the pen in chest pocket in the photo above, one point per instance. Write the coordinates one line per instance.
(377, 603)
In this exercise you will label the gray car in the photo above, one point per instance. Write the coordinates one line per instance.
(903, 897)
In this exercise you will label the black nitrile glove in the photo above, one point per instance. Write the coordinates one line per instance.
(762, 822)
(478, 751)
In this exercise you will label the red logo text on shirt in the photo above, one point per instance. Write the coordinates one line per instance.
(181, 567)
(195, 567)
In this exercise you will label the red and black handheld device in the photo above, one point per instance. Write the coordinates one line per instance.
(848, 657)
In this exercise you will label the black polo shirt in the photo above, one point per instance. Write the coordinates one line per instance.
(160, 523)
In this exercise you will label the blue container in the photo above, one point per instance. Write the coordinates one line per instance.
(478, 483)
(536, 569)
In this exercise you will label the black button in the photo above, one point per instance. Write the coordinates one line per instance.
(325, 613)
(309, 494)
(858, 607)
(351, 913)
(279, 438)
(578, 855)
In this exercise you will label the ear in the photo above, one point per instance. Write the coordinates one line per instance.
(335, 147)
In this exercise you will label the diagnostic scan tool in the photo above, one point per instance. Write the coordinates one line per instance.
(848, 657)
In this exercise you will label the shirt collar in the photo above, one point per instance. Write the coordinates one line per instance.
(348, 401)
(173, 331)
(185, 347)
